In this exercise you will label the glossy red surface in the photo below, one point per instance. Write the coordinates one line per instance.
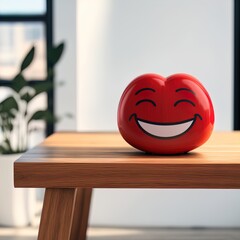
(165, 115)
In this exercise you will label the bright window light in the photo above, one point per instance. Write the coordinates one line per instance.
(22, 7)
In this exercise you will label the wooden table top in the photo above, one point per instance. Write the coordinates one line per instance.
(105, 160)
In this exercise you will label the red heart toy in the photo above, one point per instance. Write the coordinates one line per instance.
(165, 115)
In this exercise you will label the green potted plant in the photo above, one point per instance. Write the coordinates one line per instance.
(16, 117)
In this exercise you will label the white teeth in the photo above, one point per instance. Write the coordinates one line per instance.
(165, 131)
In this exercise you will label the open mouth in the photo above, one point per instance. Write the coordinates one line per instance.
(165, 130)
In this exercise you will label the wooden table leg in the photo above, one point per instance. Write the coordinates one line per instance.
(81, 214)
(57, 214)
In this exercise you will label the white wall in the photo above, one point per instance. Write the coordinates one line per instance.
(119, 40)
(65, 96)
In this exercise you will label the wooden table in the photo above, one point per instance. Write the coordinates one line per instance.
(70, 165)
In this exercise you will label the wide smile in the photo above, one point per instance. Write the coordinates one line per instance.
(165, 130)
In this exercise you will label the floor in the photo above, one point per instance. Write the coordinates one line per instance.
(103, 233)
(134, 234)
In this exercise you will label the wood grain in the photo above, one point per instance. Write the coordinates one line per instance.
(81, 214)
(57, 214)
(105, 160)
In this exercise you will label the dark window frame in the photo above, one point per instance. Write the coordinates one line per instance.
(47, 19)
(236, 65)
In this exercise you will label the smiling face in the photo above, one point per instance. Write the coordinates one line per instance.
(165, 115)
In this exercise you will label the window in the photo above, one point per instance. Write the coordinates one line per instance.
(22, 7)
(24, 23)
(15, 41)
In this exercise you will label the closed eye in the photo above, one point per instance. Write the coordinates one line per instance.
(184, 100)
(146, 100)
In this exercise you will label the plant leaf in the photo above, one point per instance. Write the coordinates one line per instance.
(55, 53)
(7, 105)
(10, 126)
(43, 86)
(18, 83)
(2, 149)
(27, 93)
(28, 59)
(26, 97)
(5, 147)
(12, 113)
(42, 115)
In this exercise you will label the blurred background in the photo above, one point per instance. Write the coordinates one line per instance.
(107, 44)
(119, 40)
